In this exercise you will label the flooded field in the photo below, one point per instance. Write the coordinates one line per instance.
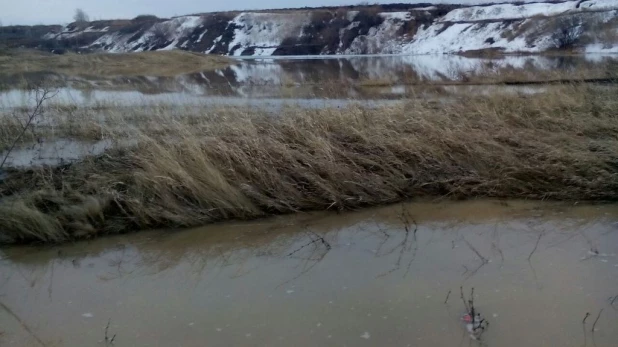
(271, 85)
(295, 79)
(389, 276)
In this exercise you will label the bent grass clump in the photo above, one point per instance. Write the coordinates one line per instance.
(191, 168)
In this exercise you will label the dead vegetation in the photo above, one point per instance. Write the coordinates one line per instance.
(159, 63)
(192, 166)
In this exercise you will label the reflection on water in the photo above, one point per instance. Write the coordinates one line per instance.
(300, 78)
(54, 152)
(377, 278)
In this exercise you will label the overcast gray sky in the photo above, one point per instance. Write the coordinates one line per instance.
(61, 11)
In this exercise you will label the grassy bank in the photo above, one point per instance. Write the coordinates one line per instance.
(195, 166)
(158, 63)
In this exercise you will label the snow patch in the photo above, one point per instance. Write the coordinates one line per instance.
(214, 44)
(508, 11)
(199, 39)
(396, 15)
(351, 15)
(383, 39)
(461, 37)
(264, 31)
(602, 48)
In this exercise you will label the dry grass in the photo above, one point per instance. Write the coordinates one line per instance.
(160, 63)
(192, 167)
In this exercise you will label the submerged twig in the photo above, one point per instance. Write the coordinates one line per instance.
(324, 242)
(483, 259)
(536, 245)
(596, 320)
(23, 324)
(463, 299)
(107, 339)
(447, 296)
(585, 317)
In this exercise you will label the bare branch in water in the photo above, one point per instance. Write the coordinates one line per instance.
(463, 299)
(586, 317)
(483, 259)
(596, 320)
(447, 296)
(23, 324)
(109, 341)
(536, 245)
(41, 96)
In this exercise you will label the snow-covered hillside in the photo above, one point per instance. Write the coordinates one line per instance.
(589, 25)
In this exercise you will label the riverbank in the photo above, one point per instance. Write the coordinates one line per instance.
(192, 167)
(158, 63)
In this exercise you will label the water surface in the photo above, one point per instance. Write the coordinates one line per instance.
(379, 277)
(301, 78)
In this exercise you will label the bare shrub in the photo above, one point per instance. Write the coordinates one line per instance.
(145, 18)
(160, 31)
(41, 96)
(81, 16)
(567, 31)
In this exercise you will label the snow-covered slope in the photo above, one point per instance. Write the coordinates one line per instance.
(265, 32)
(508, 27)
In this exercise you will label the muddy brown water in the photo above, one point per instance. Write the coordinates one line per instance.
(378, 277)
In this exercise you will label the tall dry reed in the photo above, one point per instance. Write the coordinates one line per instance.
(201, 166)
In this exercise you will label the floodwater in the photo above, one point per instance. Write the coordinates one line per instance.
(379, 277)
(269, 84)
(297, 79)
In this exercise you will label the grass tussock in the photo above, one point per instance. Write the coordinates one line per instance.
(195, 167)
(159, 63)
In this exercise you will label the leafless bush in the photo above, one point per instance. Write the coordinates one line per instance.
(567, 31)
(41, 96)
(160, 31)
(81, 16)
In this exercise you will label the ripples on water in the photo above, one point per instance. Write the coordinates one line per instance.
(377, 277)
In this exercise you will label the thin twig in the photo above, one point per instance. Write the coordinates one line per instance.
(585, 317)
(23, 324)
(324, 242)
(536, 245)
(302, 247)
(596, 320)
(42, 95)
(614, 299)
(483, 259)
(51, 280)
(107, 339)
(463, 299)
(447, 296)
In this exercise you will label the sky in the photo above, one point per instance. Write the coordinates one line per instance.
(61, 11)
